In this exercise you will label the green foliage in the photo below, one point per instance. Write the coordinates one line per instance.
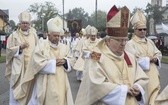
(44, 12)
(2, 59)
(101, 20)
(154, 12)
(12, 24)
(78, 13)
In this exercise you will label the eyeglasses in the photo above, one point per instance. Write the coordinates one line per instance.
(25, 23)
(144, 29)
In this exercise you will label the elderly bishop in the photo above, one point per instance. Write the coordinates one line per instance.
(47, 72)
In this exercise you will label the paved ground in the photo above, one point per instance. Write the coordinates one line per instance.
(74, 84)
(3, 52)
(4, 86)
(164, 75)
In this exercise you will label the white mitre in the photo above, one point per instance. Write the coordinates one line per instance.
(83, 31)
(93, 31)
(55, 25)
(87, 29)
(24, 16)
(138, 20)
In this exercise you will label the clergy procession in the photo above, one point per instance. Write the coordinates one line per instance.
(111, 70)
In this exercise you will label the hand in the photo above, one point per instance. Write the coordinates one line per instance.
(130, 91)
(135, 90)
(95, 56)
(60, 62)
(153, 60)
(24, 45)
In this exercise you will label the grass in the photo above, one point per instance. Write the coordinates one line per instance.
(2, 59)
(164, 59)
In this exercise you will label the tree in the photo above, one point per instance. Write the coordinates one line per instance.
(12, 24)
(101, 20)
(78, 13)
(135, 9)
(155, 12)
(44, 12)
(148, 11)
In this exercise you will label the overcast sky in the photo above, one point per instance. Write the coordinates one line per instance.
(17, 6)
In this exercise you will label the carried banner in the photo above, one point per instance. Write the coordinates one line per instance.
(74, 26)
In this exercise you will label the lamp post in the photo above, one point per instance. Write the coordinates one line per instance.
(96, 11)
(63, 12)
(42, 19)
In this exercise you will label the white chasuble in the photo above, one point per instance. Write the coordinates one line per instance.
(146, 48)
(109, 76)
(49, 89)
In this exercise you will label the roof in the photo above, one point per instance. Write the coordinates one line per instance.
(4, 14)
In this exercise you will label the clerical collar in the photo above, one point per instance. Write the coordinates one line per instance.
(26, 33)
(138, 39)
(92, 41)
(143, 39)
(118, 57)
(55, 46)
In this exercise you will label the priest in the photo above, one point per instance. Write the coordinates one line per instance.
(47, 72)
(113, 77)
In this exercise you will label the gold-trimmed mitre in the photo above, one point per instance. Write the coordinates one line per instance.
(24, 16)
(87, 29)
(55, 25)
(93, 31)
(118, 22)
(83, 31)
(138, 20)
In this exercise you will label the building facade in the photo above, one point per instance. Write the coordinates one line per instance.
(156, 2)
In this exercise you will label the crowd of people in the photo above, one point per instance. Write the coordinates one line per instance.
(112, 69)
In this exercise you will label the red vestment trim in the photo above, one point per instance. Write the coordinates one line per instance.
(127, 59)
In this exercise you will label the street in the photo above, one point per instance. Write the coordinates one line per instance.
(4, 85)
